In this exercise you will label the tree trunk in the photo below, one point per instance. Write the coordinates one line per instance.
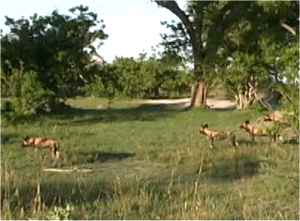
(194, 30)
(199, 94)
(243, 101)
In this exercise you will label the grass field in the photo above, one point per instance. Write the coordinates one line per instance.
(147, 162)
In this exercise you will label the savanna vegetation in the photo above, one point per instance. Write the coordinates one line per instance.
(149, 161)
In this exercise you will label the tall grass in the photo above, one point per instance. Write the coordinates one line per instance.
(148, 162)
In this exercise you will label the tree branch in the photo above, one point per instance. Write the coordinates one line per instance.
(288, 28)
(174, 8)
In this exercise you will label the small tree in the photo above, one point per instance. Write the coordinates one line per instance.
(107, 84)
(283, 63)
(29, 96)
(243, 77)
(58, 47)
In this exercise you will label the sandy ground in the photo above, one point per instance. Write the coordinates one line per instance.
(184, 102)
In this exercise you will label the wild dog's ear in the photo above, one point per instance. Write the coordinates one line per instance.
(26, 138)
(247, 122)
(205, 125)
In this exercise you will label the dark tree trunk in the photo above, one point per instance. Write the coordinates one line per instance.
(199, 94)
(194, 30)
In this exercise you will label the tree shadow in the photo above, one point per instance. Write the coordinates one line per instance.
(144, 112)
(246, 142)
(100, 156)
(291, 141)
(243, 166)
(57, 192)
(8, 138)
(221, 109)
(258, 140)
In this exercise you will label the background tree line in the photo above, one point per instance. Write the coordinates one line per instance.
(245, 46)
(141, 78)
(46, 59)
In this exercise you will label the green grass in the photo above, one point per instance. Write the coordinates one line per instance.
(148, 162)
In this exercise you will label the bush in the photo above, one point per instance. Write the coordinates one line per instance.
(106, 84)
(30, 96)
(132, 78)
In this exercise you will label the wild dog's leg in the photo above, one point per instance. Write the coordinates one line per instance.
(211, 142)
(56, 152)
(253, 138)
(233, 140)
(275, 136)
(52, 151)
(272, 138)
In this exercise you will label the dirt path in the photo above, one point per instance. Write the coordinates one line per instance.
(184, 102)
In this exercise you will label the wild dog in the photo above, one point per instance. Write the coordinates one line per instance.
(43, 143)
(213, 135)
(275, 117)
(254, 131)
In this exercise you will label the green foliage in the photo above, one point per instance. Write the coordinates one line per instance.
(28, 94)
(59, 48)
(106, 84)
(210, 32)
(282, 61)
(134, 82)
(33, 97)
(274, 131)
(140, 78)
(241, 70)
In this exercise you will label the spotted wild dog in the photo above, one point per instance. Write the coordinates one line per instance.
(42, 143)
(254, 131)
(213, 135)
(276, 117)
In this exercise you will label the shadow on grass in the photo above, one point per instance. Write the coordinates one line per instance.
(242, 166)
(79, 116)
(100, 156)
(246, 142)
(291, 141)
(221, 109)
(258, 141)
(145, 112)
(58, 192)
(8, 138)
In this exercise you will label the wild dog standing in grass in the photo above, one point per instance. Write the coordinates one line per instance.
(276, 117)
(213, 135)
(280, 121)
(254, 131)
(43, 143)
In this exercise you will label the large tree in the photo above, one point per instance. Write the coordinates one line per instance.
(206, 26)
(204, 23)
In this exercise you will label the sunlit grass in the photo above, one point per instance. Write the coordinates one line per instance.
(148, 163)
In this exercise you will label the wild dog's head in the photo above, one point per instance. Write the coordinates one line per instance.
(26, 141)
(245, 124)
(267, 118)
(203, 127)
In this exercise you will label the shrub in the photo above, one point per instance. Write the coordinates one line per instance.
(31, 97)
(139, 79)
